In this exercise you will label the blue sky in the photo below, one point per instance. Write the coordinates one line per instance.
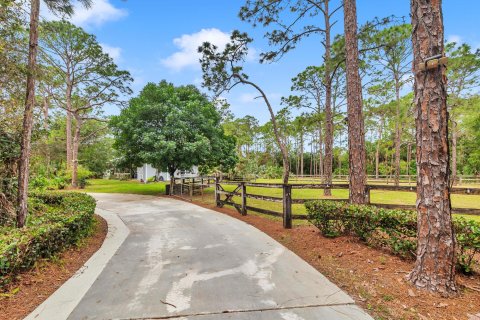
(157, 39)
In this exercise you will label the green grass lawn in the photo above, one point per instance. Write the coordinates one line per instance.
(377, 196)
(130, 186)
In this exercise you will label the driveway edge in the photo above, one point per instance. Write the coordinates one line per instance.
(62, 302)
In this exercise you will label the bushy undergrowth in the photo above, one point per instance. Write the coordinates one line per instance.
(59, 181)
(41, 183)
(56, 221)
(395, 230)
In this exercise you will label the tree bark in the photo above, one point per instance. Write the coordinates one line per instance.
(454, 152)
(377, 151)
(68, 123)
(409, 158)
(311, 158)
(297, 158)
(75, 147)
(435, 264)
(24, 161)
(320, 154)
(328, 164)
(301, 153)
(45, 112)
(398, 129)
(171, 172)
(356, 131)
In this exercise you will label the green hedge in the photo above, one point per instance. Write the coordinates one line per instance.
(395, 230)
(56, 221)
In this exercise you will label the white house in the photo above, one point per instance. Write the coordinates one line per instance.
(146, 172)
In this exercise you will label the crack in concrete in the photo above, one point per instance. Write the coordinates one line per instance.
(199, 314)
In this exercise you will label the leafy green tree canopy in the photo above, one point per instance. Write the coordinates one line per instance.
(173, 128)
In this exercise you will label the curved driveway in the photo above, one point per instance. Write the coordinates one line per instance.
(181, 261)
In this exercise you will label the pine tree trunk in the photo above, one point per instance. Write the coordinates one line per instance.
(356, 131)
(68, 123)
(75, 147)
(301, 154)
(377, 152)
(311, 158)
(328, 164)
(45, 113)
(171, 171)
(45, 109)
(409, 158)
(454, 152)
(398, 141)
(297, 158)
(24, 161)
(435, 264)
(320, 155)
(339, 163)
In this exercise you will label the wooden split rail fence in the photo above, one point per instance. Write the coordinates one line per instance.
(189, 187)
(287, 200)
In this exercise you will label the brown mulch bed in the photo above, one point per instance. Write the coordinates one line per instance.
(36, 285)
(375, 279)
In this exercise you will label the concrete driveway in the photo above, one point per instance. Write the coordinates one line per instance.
(181, 261)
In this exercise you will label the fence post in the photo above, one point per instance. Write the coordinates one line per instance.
(367, 194)
(192, 186)
(287, 206)
(217, 194)
(244, 199)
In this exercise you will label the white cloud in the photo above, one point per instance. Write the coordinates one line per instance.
(100, 12)
(188, 44)
(454, 38)
(114, 52)
(188, 57)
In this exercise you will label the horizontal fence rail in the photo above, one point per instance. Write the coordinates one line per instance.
(287, 200)
(372, 179)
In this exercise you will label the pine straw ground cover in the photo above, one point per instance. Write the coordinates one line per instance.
(375, 278)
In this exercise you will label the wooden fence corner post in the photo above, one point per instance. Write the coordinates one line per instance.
(192, 186)
(367, 195)
(287, 206)
(244, 199)
(217, 194)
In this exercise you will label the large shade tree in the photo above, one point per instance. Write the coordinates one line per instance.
(173, 128)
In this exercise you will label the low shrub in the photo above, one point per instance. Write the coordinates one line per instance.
(56, 221)
(468, 242)
(395, 230)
